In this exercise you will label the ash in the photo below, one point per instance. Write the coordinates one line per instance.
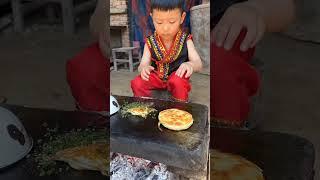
(124, 167)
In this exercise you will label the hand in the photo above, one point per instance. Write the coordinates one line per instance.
(145, 72)
(237, 17)
(185, 67)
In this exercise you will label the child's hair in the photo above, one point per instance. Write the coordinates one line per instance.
(167, 5)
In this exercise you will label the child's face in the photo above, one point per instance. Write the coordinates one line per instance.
(167, 23)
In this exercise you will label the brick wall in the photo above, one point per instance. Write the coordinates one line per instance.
(125, 38)
(119, 19)
(118, 5)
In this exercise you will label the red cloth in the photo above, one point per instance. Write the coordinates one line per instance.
(233, 82)
(178, 87)
(88, 78)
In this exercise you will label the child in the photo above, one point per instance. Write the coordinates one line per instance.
(237, 27)
(88, 72)
(169, 56)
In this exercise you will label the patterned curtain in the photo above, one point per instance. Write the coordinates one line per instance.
(141, 22)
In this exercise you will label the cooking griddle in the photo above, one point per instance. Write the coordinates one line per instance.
(280, 156)
(33, 120)
(139, 137)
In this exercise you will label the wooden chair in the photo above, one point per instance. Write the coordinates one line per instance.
(128, 58)
(69, 9)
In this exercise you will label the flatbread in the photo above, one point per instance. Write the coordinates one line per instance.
(175, 119)
(91, 157)
(140, 111)
(137, 109)
(232, 167)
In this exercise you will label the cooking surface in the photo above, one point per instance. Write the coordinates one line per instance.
(33, 120)
(281, 156)
(136, 136)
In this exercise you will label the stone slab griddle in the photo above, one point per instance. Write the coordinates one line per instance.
(281, 156)
(33, 120)
(141, 137)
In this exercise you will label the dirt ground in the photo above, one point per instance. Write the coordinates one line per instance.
(32, 64)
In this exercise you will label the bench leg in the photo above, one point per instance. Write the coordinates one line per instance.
(130, 61)
(115, 65)
(114, 58)
(68, 16)
(17, 12)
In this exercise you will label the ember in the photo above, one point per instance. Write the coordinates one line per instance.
(128, 167)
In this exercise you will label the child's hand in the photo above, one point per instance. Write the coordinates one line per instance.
(185, 67)
(145, 72)
(237, 17)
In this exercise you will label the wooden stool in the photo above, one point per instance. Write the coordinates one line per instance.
(130, 60)
(69, 10)
(19, 9)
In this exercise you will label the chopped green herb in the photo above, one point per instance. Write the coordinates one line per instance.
(53, 142)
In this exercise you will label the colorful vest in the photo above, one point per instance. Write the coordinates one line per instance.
(166, 62)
